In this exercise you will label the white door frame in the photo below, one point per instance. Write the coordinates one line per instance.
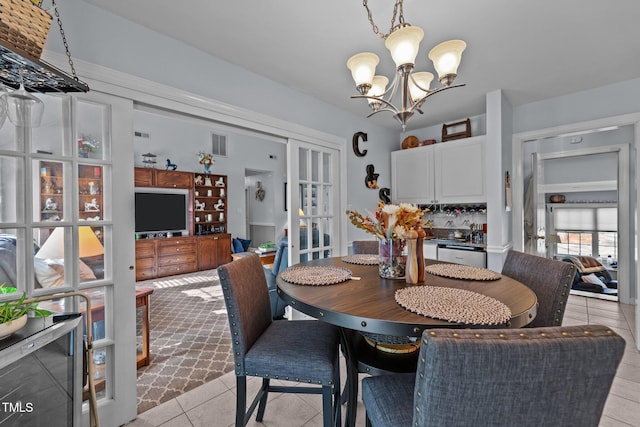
(518, 188)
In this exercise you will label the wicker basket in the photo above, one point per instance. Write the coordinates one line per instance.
(24, 26)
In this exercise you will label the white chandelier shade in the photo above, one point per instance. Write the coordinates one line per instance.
(420, 84)
(403, 44)
(363, 68)
(446, 57)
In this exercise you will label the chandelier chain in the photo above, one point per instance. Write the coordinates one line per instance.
(64, 40)
(397, 13)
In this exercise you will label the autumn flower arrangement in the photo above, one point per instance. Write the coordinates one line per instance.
(390, 221)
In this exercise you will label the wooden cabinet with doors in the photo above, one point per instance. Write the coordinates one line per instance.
(149, 177)
(213, 251)
(450, 172)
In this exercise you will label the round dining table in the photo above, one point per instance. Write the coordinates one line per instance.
(366, 303)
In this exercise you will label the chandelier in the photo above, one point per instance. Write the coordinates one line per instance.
(413, 88)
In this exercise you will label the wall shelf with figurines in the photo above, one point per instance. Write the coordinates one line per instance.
(210, 204)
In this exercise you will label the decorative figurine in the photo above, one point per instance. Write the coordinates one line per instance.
(198, 180)
(260, 191)
(207, 181)
(50, 205)
(199, 205)
(171, 166)
(220, 205)
(92, 206)
(220, 182)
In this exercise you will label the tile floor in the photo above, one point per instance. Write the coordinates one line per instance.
(213, 404)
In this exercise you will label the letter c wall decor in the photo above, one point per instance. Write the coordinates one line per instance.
(354, 142)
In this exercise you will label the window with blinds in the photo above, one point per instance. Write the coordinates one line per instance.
(586, 229)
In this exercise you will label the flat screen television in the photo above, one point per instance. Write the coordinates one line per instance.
(160, 212)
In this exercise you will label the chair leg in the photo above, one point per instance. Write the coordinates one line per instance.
(337, 397)
(263, 400)
(327, 400)
(241, 400)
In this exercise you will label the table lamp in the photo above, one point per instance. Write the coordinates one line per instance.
(53, 247)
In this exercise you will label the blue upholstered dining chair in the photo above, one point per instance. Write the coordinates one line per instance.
(555, 376)
(304, 351)
(550, 279)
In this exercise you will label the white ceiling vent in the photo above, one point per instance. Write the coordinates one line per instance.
(218, 145)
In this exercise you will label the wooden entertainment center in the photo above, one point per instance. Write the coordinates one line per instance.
(208, 244)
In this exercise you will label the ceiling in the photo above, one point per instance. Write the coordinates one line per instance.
(532, 50)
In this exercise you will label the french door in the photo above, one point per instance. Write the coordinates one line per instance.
(313, 174)
(71, 232)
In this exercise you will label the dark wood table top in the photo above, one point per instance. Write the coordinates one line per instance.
(368, 304)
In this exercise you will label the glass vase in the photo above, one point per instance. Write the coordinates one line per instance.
(392, 261)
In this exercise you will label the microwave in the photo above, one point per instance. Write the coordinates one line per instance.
(41, 374)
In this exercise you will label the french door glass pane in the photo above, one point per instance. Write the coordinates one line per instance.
(91, 253)
(10, 248)
(90, 186)
(91, 132)
(50, 201)
(50, 136)
(8, 139)
(49, 258)
(11, 189)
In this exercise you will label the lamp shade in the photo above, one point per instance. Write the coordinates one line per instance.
(53, 247)
(89, 244)
(378, 86)
(446, 57)
(363, 67)
(419, 84)
(403, 44)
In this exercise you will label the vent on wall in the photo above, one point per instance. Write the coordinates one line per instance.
(218, 145)
(141, 134)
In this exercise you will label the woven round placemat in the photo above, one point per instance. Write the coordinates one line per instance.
(362, 259)
(458, 271)
(316, 275)
(453, 305)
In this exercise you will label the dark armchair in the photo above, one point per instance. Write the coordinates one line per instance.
(556, 376)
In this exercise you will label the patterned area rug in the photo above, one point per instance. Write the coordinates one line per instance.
(190, 341)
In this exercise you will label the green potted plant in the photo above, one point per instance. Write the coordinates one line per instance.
(13, 314)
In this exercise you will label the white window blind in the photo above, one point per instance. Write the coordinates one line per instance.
(585, 218)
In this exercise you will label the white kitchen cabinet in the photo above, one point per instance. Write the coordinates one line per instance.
(450, 172)
(412, 176)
